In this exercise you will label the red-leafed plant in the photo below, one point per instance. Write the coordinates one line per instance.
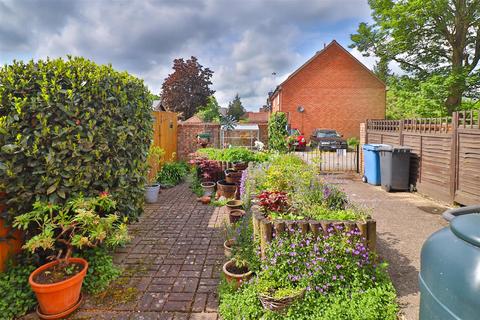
(209, 169)
(274, 201)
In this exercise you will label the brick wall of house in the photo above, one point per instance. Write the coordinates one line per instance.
(336, 91)
(187, 137)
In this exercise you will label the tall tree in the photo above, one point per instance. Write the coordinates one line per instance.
(211, 111)
(187, 88)
(429, 39)
(235, 108)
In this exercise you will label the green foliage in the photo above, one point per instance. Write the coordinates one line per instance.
(16, 297)
(69, 127)
(219, 202)
(436, 45)
(245, 251)
(341, 279)
(277, 132)
(80, 223)
(353, 142)
(172, 173)
(234, 154)
(235, 108)
(195, 183)
(101, 270)
(211, 111)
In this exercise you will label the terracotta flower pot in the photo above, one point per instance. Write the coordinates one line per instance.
(225, 189)
(240, 165)
(231, 275)
(235, 215)
(13, 239)
(234, 204)
(233, 176)
(227, 247)
(57, 298)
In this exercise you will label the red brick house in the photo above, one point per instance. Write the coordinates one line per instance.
(332, 90)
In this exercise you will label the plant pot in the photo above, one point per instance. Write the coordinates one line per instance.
(234, 205)
(11, 242)
(208, 188)
(57, 298)
(233, 176)
(239, 166)
(236, 278)
(235, 215)
(227, 247)
(151, 193)
(225, 189)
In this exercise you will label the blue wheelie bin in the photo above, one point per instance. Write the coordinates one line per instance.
(371, 157)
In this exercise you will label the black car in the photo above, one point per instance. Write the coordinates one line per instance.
(327, 139)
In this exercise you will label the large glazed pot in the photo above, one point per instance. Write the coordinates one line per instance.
(225, 189)
(57, 300)
(450, 271)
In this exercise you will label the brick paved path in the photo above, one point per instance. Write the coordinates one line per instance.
(172, 266)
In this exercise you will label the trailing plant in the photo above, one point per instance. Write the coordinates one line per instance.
(69, 127)
(16, 297)
(172, 173)
(101, 270)
(277, 132)
(80, 223)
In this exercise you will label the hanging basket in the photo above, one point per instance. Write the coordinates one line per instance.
(277, 305)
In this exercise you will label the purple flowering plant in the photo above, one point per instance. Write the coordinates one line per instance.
(336, 260)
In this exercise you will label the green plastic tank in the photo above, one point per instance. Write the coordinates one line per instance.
(450, 269)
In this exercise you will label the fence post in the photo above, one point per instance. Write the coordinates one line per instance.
(358, 158)
(454, 156)
(400, 131)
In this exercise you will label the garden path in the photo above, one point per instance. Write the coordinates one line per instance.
(404, 221)
(172, 266)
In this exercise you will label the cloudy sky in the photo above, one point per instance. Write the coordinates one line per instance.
(242, 41)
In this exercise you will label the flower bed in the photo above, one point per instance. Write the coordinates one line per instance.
(316, 248)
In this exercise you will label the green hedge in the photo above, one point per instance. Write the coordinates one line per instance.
(277, 132)
(71, 126)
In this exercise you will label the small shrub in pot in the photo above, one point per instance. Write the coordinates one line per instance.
(80, 223)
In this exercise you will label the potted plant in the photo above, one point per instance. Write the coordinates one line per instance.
(153, 188)
(236, 271)
(234, 205)
(235, 215)
(80, 223)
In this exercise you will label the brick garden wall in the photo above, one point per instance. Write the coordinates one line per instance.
(187, 137)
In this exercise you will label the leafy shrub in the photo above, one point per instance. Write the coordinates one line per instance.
(277, 132)
(69, 127)
(16, 297)
(101, 270)
(234, 154)
(80, 223)
(172, 173)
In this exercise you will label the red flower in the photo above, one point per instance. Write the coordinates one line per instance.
(104, 194)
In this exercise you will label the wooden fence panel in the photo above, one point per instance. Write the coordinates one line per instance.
(445, 162)
(435, 171)
(468, 179)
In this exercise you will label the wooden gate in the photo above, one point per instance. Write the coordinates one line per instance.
(165, 137)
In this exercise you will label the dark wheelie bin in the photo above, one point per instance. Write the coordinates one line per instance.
(449, 274)
(395, 168)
